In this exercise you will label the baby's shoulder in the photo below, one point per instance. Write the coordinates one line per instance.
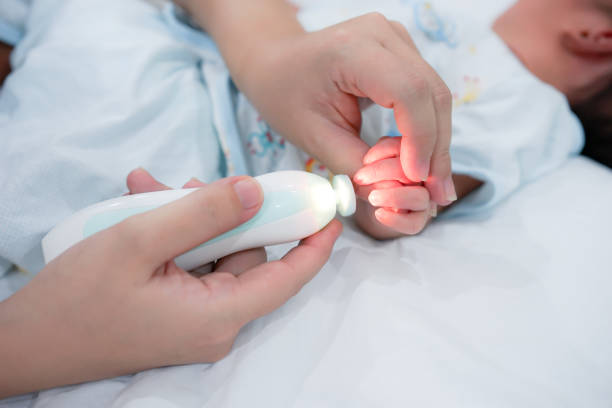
(484, 70)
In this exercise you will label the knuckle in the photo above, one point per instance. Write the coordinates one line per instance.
(443, 155)
(441, 165)
(397, 25)
(220, 352)
(223, 209)
(419, 87)
(376, 18)
(130, 234)
(292, 287)
(421, 198)
(214, 343)
(341, 36)
(443, 96)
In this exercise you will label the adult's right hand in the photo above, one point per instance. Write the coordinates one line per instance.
(116, 303)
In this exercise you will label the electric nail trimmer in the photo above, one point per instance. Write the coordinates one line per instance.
(296, 204)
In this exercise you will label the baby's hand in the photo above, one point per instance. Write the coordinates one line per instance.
(403, 205)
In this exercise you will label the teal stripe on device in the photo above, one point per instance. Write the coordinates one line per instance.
(276, 205)
(107, 219)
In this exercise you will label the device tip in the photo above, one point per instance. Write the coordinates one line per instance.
(346, 203)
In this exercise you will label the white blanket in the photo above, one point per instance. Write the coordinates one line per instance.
(511, 309)
(508, 310)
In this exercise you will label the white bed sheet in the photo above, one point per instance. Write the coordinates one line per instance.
(506, 310)
(511, 309)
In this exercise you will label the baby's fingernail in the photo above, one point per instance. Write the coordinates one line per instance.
(375, 199)
(379, 213)
(449, 190)
(358, 177)
(433, 210)
(248, 192)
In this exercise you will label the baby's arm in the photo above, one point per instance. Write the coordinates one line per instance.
(389, 205)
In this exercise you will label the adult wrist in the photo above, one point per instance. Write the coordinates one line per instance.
(245, 30)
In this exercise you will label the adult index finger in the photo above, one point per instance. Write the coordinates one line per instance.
(268, 286)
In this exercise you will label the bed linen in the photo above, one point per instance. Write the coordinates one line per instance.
(508, 309)
(504, 309)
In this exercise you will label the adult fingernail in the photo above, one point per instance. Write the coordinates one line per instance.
(449, 190)
(433, 210)
(249, 193)
(424, 171)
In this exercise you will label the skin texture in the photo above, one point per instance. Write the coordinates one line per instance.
(306, 85)
(116, 303)
(566, 43)
(389, 204)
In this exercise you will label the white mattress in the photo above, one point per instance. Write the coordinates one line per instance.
(511, 309)
(507, 310)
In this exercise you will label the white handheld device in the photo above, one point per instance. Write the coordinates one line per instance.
(296, 204)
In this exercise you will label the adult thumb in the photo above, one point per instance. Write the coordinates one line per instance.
(164, 233)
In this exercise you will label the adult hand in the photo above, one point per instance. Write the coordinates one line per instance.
(116, 303)
(307, 88)
(306, 85)
(140, 181)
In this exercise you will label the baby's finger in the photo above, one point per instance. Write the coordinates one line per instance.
(386, 169)
(385, 148)
(363, 192)
(407, 223)
(412, 198)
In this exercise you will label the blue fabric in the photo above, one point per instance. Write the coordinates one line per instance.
(9, 34)
(221, 89)
(98, 88)
(508, 127)
(13, 15)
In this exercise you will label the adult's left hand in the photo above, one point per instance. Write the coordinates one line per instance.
(307, 85)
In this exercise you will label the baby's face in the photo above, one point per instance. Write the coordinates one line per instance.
(586, 33)
(566, 43)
